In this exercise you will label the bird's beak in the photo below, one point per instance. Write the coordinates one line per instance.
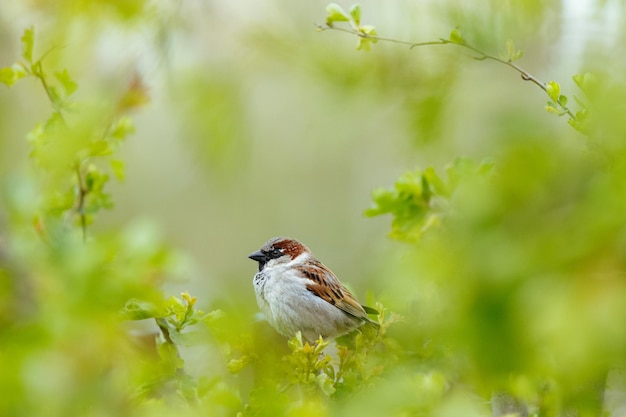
(258, 256)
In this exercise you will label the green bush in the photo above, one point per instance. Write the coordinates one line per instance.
(504, 292)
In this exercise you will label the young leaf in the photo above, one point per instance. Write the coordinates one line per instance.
(10, 75)
(366, 41)
(510, 48)
(118, 168)
(122, 128)
(554, 90)
(7, 76)
(335, 13)
(55, 98)
(28, 44)
(139, 310)
(586, 82)
(235, 366)
(355, 12)
(512, 53)
(579, 79)
(455, 37)
(563, 100)
(551, 108)
(436, 182)
(66, 81)
(325, 383)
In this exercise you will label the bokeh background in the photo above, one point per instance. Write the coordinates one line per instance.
(258, 125)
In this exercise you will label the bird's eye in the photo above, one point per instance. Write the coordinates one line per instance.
(276, 253)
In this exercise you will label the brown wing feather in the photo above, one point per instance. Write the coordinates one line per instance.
(326, 286)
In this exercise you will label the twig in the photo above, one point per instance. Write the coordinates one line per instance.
(39, 74)
(526, 76)
(165, 331)
(379, 38)
(80, 204)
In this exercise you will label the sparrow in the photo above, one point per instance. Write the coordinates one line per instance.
(296, 292)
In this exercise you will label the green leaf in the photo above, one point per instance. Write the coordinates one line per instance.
(579, 121)
(551, 108)
(237, 365)
(28, 44)
(7, 76)
(66, 82)
(98, 148)
(369, 38)
(295, 343)
(510, 48)
(579, 79)
(563, 100)
(97, 198)
(455, 37)
(554, 90)
(355, 12)
(513, 54)
(335, 13)
(122, 128)
(435, 181)
(411, 183)
(587, 83)
(364, 44)
(325, 383)
(139, 310)
(486, 167)
(119, 169)
(369, 30)
(55, 98)
(37, 69)
(10, 75)
(384, 200)
(175, 305)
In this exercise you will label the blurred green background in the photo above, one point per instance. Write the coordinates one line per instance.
(258, 126)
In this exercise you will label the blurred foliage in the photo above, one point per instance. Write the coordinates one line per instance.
(219, 136)
(510, 274)
(65, 148)
(419, 200)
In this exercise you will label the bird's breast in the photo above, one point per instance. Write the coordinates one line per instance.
(259, 279)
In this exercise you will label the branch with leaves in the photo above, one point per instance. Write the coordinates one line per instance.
(420, 199)
(175, 318)
(367, 35)
(70, 145)
(362, 356)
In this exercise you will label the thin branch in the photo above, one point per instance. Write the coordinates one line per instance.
(322, 28)
(44, 83)
(526, 76)
(166, 332)
(46, 87)
(80, 204)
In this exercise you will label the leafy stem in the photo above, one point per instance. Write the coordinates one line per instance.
(93, 144)
(367, 35)
(80, 202)
(364, 35)
(40, 75)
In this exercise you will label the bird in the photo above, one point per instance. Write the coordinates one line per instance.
(296, 292)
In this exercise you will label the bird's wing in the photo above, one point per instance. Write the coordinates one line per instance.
(325, 285)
